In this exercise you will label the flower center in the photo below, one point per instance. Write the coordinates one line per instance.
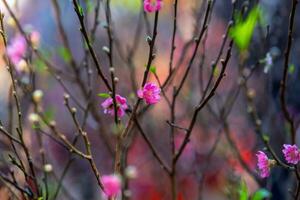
(153, 2)
(271, 162)
(148, 93)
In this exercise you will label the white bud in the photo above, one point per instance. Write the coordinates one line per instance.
(66, 96)
(37, 96)
(249, 109)
(35, 38)
(131, 172)
(33, 118)
(73, 110)
(112, 69)
(52, 123)
(22, 66)
(149, 39)
(11, 22)
(48, 168)
(258, 122)
(251, 93)
(106, 49)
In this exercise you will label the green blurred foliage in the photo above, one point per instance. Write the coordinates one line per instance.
(64, 54)
(243, 191)
(291, 69)
(131, 5)
(261, 194)
(243, 29)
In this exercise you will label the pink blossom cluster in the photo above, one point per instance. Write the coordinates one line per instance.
(112, 185)
(108, 105)
(17, 49)
(150, 93)
(291, 154)
(152, 5)
(263, 164)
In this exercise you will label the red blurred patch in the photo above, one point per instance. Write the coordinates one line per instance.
(155, 196)
(180, 196)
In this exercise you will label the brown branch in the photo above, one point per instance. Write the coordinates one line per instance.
(89, 44)
(151, 146)
(284, 79)
(173, 46)
(87, 143)
(19, 112)
(204, 102)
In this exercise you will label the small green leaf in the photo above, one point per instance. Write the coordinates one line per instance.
(80, 10)
(216, 71)
(35, 126)
(41, 198)
(64, 54)
(103, 95)
(261, 194)
(291, 68)
(153, 69)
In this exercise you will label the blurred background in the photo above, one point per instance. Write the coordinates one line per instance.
(213, 163)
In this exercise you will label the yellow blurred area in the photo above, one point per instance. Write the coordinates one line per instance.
(10, 3)
(4, 77)
(2, 50)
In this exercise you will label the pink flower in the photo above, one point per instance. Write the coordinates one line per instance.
(150, 93)
(152, 5)
(112, 185)
(16, 50)
(291, 153)
(263, 164)
(109, 107)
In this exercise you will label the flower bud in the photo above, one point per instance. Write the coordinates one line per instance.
(112, 69)
(106, 49)
(272, 162)
(11, 22)
(37, 96)
(73, 110)
(48, 168)
(35, 38)
(52, 123)
(131, 172)
(251, 93)
(22, 66)
(33, 118)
